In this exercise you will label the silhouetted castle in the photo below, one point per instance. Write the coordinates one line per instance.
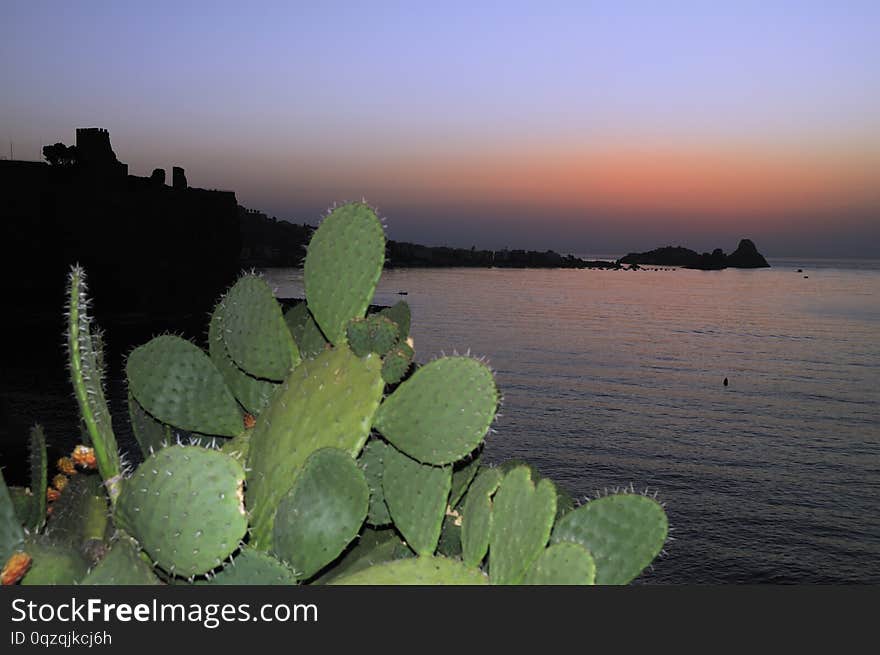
(146, 246)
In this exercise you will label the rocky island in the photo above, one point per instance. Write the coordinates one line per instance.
(746, 255)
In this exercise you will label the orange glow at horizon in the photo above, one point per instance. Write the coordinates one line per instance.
(717, 182)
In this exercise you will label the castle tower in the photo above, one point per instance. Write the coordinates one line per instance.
(95, 153)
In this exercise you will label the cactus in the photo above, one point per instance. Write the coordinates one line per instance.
(123, 564)
(254, 331)
(11, 533)
(416, 495)
(372, 462)
(39, 478)
(150, 433)
(87, 374)
(522, 517)
(53, 563)
(623, 531)
(435, 432)
(184, 505)
(305, 331)
(416, 571)
(565, 563)
(322, 512)
(328, 457)
(252, 567)
(476, 521)
(253, 393)
(328, 401)
(343, 264)
(177, 383)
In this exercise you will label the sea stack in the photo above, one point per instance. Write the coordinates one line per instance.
(746, 255)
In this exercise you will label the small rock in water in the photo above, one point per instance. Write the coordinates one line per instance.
(725, 382)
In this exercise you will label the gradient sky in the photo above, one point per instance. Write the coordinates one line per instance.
(583, 127)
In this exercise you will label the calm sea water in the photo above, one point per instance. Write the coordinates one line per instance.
(612, 378)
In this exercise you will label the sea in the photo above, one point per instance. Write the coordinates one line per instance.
(615, 379)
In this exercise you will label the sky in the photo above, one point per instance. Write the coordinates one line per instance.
(583, 127)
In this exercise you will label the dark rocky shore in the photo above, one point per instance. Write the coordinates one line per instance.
(746, 255)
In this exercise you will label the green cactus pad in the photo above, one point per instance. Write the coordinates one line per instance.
(522, 518)
(374, 547)
(400, 314)
(178, 384)
(372, 463)
(463, 473)
(184, 506)
(254, 330)
(376, 334)
(21, 502)
(322, 512)
(476, 520)
(123, 564)
(252, 567)
(416, 571)
(564, 563)
(623, 532)
(416, 495)
(150, 434)
(442, 412)
(305, 331)
(80, 515)
(39, 477)
(343, 265)
(11, 534)
(396, 363)
(450, 537)
(253, 393)
(328, 401)
(53, 564)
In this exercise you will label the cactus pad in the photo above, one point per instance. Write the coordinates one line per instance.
(184, 506)
(400, 314)
(122, 565)
(463, 474)
(11, 534)
(623, 532)
(322, 512)
(253, 393)
(372, 463)
(416, 571)
(53, 564)
(254, 330)
(476, 519)
(305, 331)
(522, 517)
(396, 363)
(178, 384)
(565, 563)
(372, 548)
(150, 434)
(376, 334)
(342, 267)
(252, 567)
(416, 495)
(442, 412)
(328, 401)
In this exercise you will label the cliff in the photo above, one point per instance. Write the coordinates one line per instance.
(746, 255)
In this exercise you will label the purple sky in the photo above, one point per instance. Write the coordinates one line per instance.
(585, 128)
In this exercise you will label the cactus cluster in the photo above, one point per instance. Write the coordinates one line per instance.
(305, 447)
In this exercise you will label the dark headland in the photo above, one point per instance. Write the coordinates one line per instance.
(746, 255)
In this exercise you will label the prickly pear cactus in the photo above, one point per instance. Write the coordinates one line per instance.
(342, 460)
